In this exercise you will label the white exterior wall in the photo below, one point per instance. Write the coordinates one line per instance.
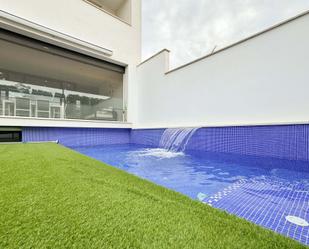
(83, 21)
(264, 80)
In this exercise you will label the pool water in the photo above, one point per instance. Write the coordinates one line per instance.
(266, 191)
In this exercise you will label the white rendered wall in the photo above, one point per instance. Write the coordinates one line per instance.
(86, 22)
(124, 11)
(264, 80)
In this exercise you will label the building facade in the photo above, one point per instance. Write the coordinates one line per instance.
(74, 67)
(69, 63)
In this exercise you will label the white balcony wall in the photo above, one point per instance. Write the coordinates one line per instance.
(264, 80)
(124, 11)
(81, 20)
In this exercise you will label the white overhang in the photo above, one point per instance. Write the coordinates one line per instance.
(25, 27)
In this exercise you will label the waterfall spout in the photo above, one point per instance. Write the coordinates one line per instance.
(176, 139)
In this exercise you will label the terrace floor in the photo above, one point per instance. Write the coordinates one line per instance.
(53, 197)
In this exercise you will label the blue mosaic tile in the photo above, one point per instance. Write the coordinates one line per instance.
(267, 202)
(77, 136)
(284, 141)
(279, 141)
(149, 137)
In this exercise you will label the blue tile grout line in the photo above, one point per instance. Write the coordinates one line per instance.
(266, 203)
(279, 141)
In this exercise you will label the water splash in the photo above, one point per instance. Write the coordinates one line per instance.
(172, 144)
(159, 153)
(176, 139)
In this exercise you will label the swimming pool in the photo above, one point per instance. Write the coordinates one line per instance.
(270, 192)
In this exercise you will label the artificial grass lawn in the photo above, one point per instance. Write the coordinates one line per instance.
(53, 197)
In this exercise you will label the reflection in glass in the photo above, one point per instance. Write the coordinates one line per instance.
(40, 84)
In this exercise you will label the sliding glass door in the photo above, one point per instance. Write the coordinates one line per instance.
(38, 80)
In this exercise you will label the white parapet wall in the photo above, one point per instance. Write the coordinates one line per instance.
(261, 80)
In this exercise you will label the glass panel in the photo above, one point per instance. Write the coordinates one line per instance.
(55, 112)
(9, 108)
(22, 103)
(10, 136)
(43, 105)
(22, 106)
(22, 113)
(38, 84)
(42, 114)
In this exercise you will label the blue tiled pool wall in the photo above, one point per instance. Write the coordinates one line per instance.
(279, 141)
(77, 136)
(285, 142)
(147, 137)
